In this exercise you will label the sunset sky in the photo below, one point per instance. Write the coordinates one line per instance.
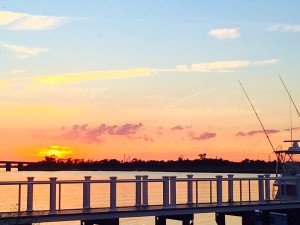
(155, 79)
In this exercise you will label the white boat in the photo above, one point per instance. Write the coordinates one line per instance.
(285, 187)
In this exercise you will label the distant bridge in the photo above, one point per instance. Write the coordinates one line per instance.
(7, 164)
(242, 197)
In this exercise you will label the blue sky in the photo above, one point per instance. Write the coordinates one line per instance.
(159, 63)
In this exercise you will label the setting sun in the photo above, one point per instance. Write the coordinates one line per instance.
(56, 151)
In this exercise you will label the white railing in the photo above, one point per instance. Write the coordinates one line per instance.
(168, 192)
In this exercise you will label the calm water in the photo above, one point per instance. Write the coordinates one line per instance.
(72, 193)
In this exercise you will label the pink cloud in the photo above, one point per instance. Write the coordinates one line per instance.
(203, 136)
(294, 128)
(255, 132)
(179, 127)
(89, 135)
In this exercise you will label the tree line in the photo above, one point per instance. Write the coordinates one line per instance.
(202, 164)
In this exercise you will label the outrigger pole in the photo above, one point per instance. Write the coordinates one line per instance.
(266, 133)
(287, 91)
(291, 99)
(258, 118)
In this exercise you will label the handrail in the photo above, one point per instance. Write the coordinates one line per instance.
(220, 190)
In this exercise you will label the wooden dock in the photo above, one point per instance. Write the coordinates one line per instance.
(222, 201)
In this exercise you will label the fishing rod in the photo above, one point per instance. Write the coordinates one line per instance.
(266, 133)
(287, 91)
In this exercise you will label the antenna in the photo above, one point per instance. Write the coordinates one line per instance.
(287, 91)
(258, 118)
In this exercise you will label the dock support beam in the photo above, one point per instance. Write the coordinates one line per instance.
(261, 193)
(8, 166)
(220, 218)
(20, 167)
(87, 192)
(265, 217)
(187, 219)
(113, 193)
(52, 195)
(30, 194)
(138, 191)
(190, 189)
(248, 218)
(293, 216)
(230, 187)
(219, 190)
(145, 190)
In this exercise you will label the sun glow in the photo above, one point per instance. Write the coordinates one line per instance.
(56, 151)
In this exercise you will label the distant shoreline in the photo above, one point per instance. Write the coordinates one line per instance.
(197, 165)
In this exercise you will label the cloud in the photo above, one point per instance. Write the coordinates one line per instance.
(86, 76)
(22, 50)
(203, 136)
(219, 66)
(146, 138)
(285, 27)
(90, 135)
(187, 98)
(294, 128)
(255, 132)
(179, 127)
(225, 33)
(23, 21)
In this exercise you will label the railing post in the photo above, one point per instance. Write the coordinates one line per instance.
(87, 192)
(113, 193)
(165, 191)
(298, 186)
(267, 187)
(52, 195)
(30, 194)
(219, 190)
(190, 189)
(230, 188)
(173, 191)
(138, 190)
(261, 188)
(145, 190)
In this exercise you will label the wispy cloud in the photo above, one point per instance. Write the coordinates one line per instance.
(225, 33)
(23, 51)
(24, 21)
(285, 27)
(187, 98)
(203, 136)
(294, 128)
(85, 76)
(219, 66)
(255, 132)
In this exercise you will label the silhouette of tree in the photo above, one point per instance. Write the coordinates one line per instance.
(202, 156)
